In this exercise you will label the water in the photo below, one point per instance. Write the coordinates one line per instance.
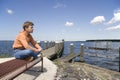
(6, 47)
(103, 58)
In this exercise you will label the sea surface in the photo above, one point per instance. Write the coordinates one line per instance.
(104, 58)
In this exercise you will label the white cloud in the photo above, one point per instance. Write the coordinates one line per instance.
(113, 28)
(59, 5)
(115, 18)
(97, 20)
(69, 24)
(9, 11)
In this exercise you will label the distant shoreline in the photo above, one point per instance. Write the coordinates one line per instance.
(91, 40)
(112, 40)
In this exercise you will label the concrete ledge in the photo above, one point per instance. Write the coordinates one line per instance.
(50, 71)
(6, 59)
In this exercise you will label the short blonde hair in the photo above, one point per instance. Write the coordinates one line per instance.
(27, 24)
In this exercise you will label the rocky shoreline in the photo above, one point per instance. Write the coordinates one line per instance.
(83, 71)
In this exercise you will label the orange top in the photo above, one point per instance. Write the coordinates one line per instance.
(23, 40)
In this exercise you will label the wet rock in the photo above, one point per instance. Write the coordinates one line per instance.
(83, 71)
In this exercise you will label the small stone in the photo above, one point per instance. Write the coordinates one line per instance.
(64, 74)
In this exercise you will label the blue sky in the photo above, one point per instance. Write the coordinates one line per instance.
(74, 20)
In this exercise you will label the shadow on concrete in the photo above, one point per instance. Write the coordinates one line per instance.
(35, 71)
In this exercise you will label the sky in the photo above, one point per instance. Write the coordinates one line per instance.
(71, 20)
